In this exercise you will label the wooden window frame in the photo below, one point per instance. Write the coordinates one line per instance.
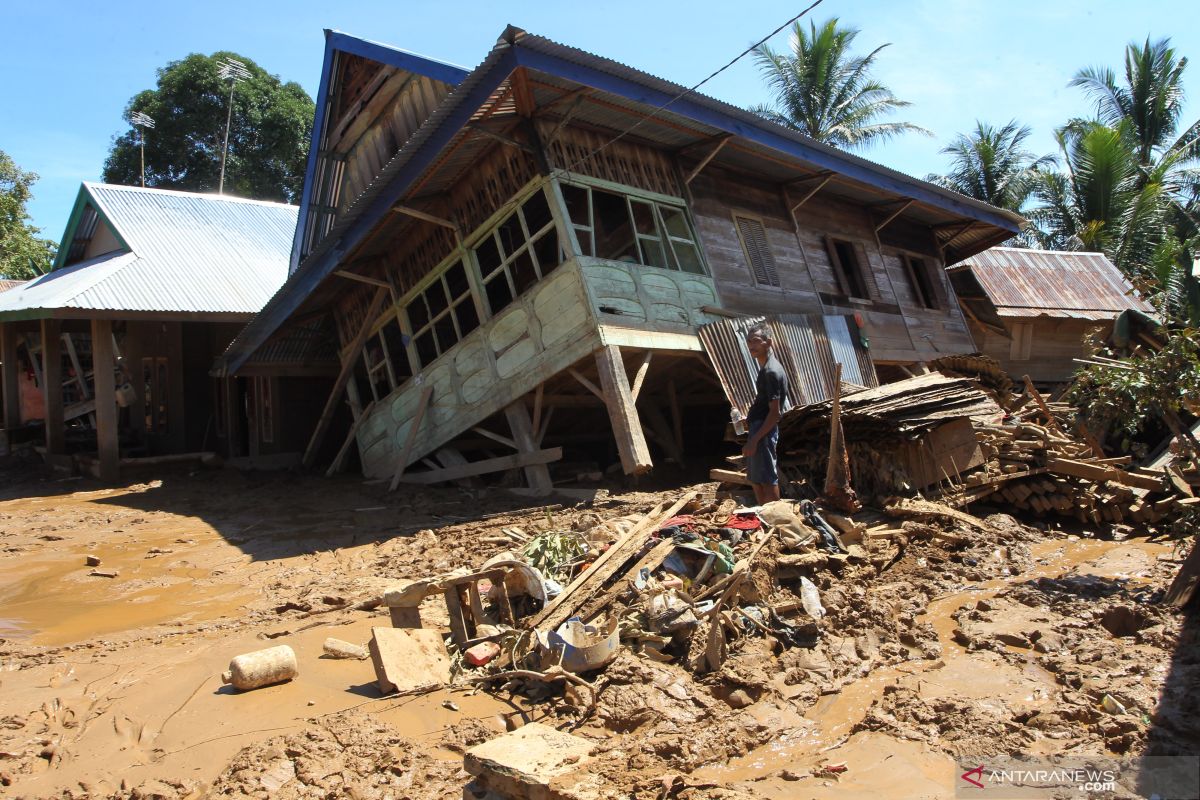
(843, 274)
(770, 266)
(921, 280)
(667, 240)
(418, 295)
(527, 246)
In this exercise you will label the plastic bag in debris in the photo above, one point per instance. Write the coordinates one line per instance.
(785, 517)
(521, 579)
(810, 598)
(667, 612)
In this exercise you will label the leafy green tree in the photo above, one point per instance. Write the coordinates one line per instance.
(268, 137)
(825, 92)
(23, 254)
(991, 164)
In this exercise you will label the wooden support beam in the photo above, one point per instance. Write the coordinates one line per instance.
(888, 219)
(106, 400)
(1051, 422)
(538, 396)
(359, 418)
(622, 413)
(676, 416)
(422, 404)
(483, 467)
(11, 377)
(495, 437)
(565, 97)
(339, 385)
(424, 216)
(52, 385)
(640, 377)
(523, 93)
(536, 474)
(591, 387)
(566, 118)
(500, 137)
(545, 426)
(809, 194)
(354, 276)
(709, 156)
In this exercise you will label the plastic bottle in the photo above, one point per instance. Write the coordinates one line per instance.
(739, 422)
(262, 668)
(336, 648)
(810, 598)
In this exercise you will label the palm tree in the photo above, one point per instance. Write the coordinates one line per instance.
(1103, 200)
(1151, 97)
(991, 164)
(825, 92)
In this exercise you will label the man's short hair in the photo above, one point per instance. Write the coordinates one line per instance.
(760, 330)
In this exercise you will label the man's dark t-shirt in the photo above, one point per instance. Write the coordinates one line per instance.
(771, 384)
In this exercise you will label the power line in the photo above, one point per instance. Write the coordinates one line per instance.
(685, 92)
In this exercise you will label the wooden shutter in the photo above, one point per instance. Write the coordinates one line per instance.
(758, 252)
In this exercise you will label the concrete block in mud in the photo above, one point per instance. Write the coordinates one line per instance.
(91, 560)
(534, 762)
(337, 648)
(407, 659)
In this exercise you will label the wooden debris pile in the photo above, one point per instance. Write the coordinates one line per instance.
(944, 437)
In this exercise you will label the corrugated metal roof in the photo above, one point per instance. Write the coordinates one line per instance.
(189, 253)
(6, 284)
(808, 346)
(1032, 283)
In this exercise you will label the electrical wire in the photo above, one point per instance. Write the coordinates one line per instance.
(687, 91)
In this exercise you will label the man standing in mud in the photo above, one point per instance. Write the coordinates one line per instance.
(763, 416)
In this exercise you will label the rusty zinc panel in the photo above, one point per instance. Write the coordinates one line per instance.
(1032, 283)
(808, 346)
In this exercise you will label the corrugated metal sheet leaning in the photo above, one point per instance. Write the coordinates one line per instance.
(807, 346)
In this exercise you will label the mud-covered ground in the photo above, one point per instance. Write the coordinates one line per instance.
(932, 654)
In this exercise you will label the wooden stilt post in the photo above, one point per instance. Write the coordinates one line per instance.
(838, 491)
(622, 413)
(106, 400)
(538, 475)
(339, 385)
(12, 377)
(52, 386)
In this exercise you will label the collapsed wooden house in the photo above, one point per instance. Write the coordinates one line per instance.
(148, 287)
(519, 256)
(1032, 310)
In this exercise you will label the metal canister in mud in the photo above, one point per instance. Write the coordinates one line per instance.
(262, 668)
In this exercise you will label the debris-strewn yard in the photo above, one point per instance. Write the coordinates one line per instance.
(754, 660)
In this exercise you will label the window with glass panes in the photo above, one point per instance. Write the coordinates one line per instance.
(620, 227)
(442, 313)
(519, 252)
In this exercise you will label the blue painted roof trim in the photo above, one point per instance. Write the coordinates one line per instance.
(338, 42)
(702, 112)
(395, 57)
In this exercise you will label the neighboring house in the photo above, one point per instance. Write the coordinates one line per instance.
(148, 287)
(520, 255)
(1031, 310)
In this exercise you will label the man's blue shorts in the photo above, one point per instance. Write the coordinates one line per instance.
(760, 467)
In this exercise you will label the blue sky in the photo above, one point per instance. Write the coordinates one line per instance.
(70, 67)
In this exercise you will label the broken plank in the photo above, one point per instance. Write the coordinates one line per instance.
(336, 466)
(1100, 473)
(483, 467)
(604, 568)
(729, 476)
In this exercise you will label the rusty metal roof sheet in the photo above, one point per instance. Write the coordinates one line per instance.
(187, 253)
(6, 284)
(1024, 283)
(807, 346)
